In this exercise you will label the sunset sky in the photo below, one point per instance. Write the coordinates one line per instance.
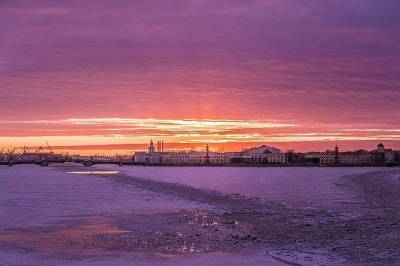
(303, 74)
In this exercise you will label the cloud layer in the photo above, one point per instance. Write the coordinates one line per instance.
(331, 67)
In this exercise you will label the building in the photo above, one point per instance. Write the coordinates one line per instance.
(160, 157)
(293, 157)
(265, 155)
(360, 157)
(148, 158)
(260, 155)
(388, 154)
(380, 148)
(195, 158)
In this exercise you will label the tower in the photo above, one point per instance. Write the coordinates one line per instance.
(158, 146)
(336, 154)
(380, 154)
(151, 147)
(207, 154)
(380, 148)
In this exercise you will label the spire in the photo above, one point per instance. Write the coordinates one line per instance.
(151, 147)
(207, 154)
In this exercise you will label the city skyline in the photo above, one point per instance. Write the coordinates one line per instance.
(305, 75)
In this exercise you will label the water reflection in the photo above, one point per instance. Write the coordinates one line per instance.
(94, 172)
(194, 231)
(61, 238)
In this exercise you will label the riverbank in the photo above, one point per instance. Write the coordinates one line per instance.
(46, 163)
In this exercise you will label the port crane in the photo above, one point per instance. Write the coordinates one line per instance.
(49, 148)
(25, 150)
(11, 156)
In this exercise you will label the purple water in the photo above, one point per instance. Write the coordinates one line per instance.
(319, 186)
(32, 196)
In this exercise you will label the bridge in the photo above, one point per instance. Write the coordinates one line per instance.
(45, 158)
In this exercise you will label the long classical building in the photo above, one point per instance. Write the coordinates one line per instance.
(360, 157)
(157, 156)
(182, 158)
(261, 155)
(350, 158)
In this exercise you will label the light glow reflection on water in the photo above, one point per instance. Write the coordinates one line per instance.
(94, 172)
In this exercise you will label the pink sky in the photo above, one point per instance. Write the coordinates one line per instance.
(298, 73)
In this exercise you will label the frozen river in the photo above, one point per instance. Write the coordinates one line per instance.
(33, 196)
(42, 208)
(320, 186)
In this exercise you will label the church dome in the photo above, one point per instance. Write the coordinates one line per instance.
(380, 145)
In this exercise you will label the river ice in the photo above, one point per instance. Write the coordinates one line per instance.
(109, 215)
(32, 196)
(319, 186)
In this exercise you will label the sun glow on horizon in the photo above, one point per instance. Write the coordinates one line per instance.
(122, 131)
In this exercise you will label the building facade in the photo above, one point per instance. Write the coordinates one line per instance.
(260, 155)
(360, 157)
(346, 158)
(159, 157)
